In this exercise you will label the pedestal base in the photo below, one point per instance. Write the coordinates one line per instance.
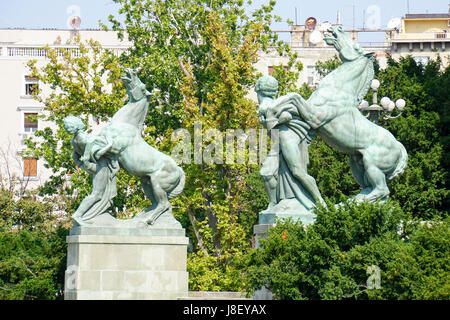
(260, 232)
(114, 263)
(287, 208)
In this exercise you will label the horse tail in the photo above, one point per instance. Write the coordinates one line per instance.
(179, 187)
(401, 164)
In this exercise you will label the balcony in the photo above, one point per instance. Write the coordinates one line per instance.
(420, 37)
(33, 51)
(424, 41)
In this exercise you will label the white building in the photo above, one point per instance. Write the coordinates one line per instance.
(17, 47)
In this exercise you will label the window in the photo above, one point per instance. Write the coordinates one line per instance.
(312, 75)
(31, 85)
(423, 60)
(29, 167)
(30, 124)
(271, 69)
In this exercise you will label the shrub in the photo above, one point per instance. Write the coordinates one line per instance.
(331, 258)
(32, 265)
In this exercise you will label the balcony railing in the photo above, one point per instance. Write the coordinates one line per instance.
(40, 52)
(26, 52)
(323, 45)
(424, 36)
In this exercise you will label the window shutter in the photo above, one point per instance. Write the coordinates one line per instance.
(29, 123)
(29, 167)
(29, 78)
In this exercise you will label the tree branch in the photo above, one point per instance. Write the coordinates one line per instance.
(196, 231)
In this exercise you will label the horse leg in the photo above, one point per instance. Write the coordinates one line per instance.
(147, 186)
(357, 167)
(161, 200)
(377, 179)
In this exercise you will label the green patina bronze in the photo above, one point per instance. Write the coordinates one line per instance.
(120, 143)
(375, 155)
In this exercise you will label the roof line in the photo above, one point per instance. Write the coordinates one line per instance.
(54, 29)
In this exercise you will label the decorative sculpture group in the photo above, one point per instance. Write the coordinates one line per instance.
(120, 144)
(332, 112)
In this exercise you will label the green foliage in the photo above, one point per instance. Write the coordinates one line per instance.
(25, 213)
(287, 79)
(330, 259)
(207, 273)
(255, 200)
(77, 81)
(325, 67)
(32, 250)
(423, 187)
(332, 172)
(32, 265)
(347, 225)
(413, 268)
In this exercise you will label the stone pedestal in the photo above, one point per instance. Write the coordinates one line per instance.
(126, 263)
(287, 208)
(260, 232)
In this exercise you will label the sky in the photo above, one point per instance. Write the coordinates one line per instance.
(37, 14)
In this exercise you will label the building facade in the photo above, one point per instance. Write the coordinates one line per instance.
(423, 36)
(308, 43)
(18, 119)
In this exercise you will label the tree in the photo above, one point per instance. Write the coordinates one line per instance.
(325, 67)
(423, 188)
(33, 249)
(32, 265)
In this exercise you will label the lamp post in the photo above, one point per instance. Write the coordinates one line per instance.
(374, 112)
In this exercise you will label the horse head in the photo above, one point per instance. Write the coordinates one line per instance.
(135, 88)
(349, 83)
(348, 50)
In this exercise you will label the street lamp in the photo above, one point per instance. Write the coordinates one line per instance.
(374, 111)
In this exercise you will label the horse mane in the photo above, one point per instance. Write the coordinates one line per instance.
(365, 85)
(327, 91)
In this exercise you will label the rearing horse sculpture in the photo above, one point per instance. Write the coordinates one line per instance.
(375, 155)
(160, 176)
